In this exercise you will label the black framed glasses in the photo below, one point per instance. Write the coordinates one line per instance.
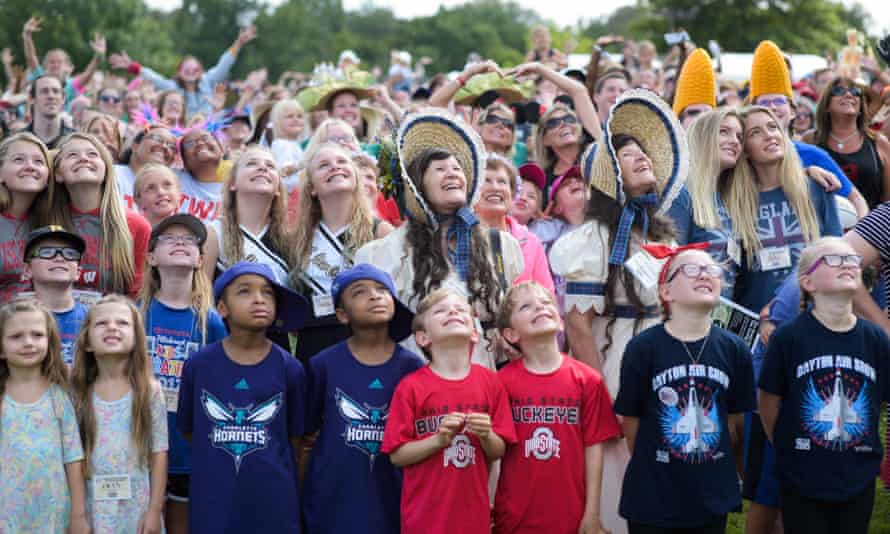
(170, 239)
(49, 253)
(836, 260)
(494, 119)
(694, 270)
(840, 90)
(556, 122)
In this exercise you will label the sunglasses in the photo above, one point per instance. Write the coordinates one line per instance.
(836, 260)
(494, 119)
(840, 90)
(555, 122)
(49, 253)
(694, 270)
(770, 102)
(109, 99)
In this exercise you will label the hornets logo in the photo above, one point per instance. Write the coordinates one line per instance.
(240, 431)
(364, 425)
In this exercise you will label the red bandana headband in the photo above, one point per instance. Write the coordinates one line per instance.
(661, 252)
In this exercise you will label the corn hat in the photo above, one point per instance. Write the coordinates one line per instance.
(696, 84)
(435, 128)
(769, 72)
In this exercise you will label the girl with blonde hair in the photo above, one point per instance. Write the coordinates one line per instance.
(334, 221)
(89, 205)
(288, 120)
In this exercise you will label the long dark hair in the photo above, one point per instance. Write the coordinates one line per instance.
(428, 259)
(606, 211)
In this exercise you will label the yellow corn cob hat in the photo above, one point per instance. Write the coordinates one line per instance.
(696, 84)
(769, 73)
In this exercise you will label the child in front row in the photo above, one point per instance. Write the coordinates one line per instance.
(123, 423)
(52, 263)
(685, 386)
(824, 377)
(241, 404)
(350, 486)
(447, 422)
(41, 457)
(551, 478)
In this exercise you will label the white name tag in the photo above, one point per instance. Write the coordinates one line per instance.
(772, 258)
(644, 268)
(322, 305)
(112, 487)
(732, 250)
(171, 398)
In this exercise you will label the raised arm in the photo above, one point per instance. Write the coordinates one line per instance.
(122, 61)
(33, 25)
(445, 94)
(99, 48)
(220, 72)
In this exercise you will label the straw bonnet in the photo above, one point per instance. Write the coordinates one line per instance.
(434, 128)
(647, 118)
(508, 89)
(696, 84)
(769, 73)
(326, 87)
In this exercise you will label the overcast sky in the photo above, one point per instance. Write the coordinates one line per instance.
(563, 12)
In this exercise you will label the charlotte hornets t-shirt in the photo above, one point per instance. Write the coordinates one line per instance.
(681, 471)
(172, 335)
(832, 385)
(241, 418)
(350, 485)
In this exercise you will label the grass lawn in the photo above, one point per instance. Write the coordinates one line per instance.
(880, 518)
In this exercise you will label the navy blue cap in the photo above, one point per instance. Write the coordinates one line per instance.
(291, 308)
(400, 324)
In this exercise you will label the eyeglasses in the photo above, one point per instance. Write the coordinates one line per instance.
(192, 143)
(837, 260)
(772, 102)
(840, 90)
(109, 99)
(166, 143)
(694, 270)
(555, 122)
(171, 239)
(50, 253)
(494, 119)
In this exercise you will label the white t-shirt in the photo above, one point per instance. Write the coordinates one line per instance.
(201, 199)
(254, 250)
(125, 181)
(288, 152)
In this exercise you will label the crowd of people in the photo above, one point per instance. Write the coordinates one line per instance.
(479, 301)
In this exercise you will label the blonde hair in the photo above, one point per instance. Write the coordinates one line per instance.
(361, 226)
(112, 123)
(150, 168)
(86, 371)
(743, 197)
(810, 255)
(508, 303)
(116, 249)
(52, 367)
(544, 154)
(279, 109)
(320, 137)
(505, 110)
(201, 298)
(705, 178)
(431, 299)
(231, 238)
(40, 212)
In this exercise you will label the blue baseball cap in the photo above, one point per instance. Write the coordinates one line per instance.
(291, 308)
(400, 324)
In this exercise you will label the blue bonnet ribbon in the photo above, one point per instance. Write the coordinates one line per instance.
(460, 230)
(635, 206)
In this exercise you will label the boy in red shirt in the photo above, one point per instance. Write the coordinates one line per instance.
(447, 422)
(551, 478)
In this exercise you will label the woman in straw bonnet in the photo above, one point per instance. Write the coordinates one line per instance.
(634, 175)
(442, 244)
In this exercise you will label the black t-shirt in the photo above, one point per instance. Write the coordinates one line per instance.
(681, 472)
(831, 384)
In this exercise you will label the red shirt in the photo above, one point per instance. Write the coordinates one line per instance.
(557, 415)
(89, 226)
(13, 236)
(446, 493)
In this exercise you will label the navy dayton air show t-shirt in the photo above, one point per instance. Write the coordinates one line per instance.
(832, 385)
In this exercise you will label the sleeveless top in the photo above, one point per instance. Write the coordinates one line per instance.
(864, 168)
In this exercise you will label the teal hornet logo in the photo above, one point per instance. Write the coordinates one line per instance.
(240, 431)
(364, 424)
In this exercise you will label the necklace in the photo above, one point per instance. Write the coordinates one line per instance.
(700, 350)
(840, 142)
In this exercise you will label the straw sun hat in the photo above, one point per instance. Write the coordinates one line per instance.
(647, 118)
(433, 128)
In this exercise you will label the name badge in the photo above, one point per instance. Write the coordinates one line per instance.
(171, 399)
(644, 268)
(112, 488)
(322, 305)
(772, 258)
(733, 251)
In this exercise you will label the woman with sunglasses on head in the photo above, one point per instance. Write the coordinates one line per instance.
(842, 130)
(154, 144)
(26, 186)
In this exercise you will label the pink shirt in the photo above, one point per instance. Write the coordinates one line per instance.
(533, 254)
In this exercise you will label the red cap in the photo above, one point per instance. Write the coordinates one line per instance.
(534, 173)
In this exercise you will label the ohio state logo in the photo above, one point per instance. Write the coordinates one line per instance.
(542, 445)
(461, 452)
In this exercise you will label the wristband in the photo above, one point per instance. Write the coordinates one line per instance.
(461, 81)
(135, 68)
